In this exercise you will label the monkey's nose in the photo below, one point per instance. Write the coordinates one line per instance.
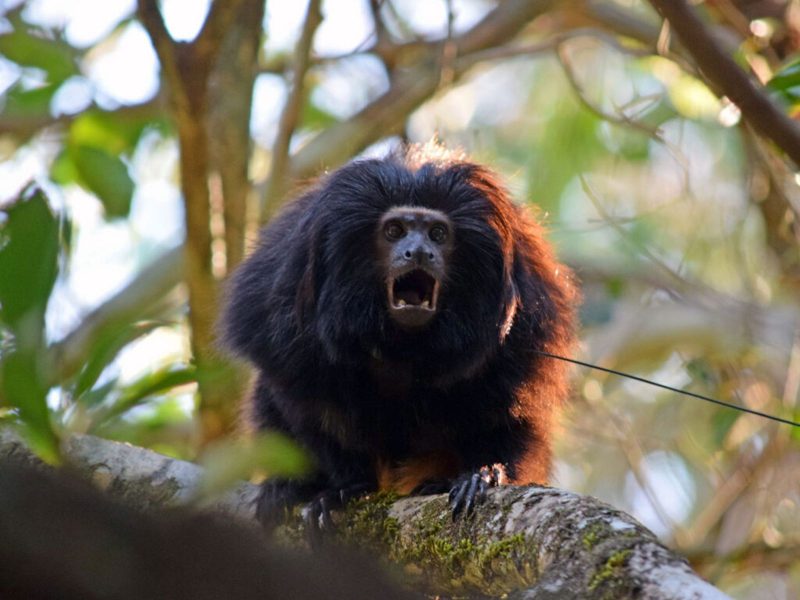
(420, 255)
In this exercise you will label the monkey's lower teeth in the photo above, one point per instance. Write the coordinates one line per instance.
(426, 304)
(401, 303)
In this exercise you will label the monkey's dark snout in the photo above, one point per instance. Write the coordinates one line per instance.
(420, 256)
(416, 251)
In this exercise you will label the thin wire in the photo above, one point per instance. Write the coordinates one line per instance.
(672, 389)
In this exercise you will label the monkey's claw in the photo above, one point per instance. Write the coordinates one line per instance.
(317, 515)
(469, 490)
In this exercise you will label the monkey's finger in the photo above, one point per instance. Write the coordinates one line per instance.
(482, 493)
(325, 520)
(457, 503)
(453, 492)
(472, 494)
(311, 517)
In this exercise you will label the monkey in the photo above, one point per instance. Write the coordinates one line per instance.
(394, 313)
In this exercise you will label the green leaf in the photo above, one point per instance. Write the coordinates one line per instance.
(106, 176)
(785, 84)
(721, 423)
(787, 77)
(315, 117)
(23, 389)
(28, 49)
(29, 103)
(29, 245)
(115, 132)
(64, 171)
(97, 395)
(106, 349)
(141, 390)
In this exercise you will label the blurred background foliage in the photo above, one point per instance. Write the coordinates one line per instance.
(142, 145)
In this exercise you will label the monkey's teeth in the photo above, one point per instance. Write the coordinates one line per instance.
(401, 303)
(426, 304)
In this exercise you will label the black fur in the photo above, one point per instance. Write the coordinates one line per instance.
(308, 308)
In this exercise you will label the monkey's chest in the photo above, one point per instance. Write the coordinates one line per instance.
(410, 444)
(392, 382)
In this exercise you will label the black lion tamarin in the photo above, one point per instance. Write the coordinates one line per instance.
(393, 314)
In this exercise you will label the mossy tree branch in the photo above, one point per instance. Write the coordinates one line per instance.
(527, 542)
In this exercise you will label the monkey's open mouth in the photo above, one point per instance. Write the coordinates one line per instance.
(413, 297)
(415, 288)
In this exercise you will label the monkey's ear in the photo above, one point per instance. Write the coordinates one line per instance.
(511, 303)
(514, 280)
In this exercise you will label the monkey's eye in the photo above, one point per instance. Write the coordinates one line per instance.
(438, 233)
(394, 230)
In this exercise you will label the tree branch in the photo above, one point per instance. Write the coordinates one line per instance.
(336, 144)
(721, 70)
(528, 541)
(278, 181)
(23, 127)
(230, 106)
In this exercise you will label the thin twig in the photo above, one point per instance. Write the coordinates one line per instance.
(595, 200)
(408, 90)
(279, 177)
(618, 119)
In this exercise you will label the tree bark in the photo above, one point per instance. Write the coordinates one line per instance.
(187, 68)
(527, 542)
(230, 106)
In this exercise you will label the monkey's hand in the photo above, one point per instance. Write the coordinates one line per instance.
(469, 489)
(317, 514)
(277, 496)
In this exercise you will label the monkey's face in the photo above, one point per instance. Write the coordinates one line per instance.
(414, 245)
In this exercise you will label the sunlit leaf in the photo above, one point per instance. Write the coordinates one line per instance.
(107, 176)
(63, 170)
(114, 132)
(692, 98)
